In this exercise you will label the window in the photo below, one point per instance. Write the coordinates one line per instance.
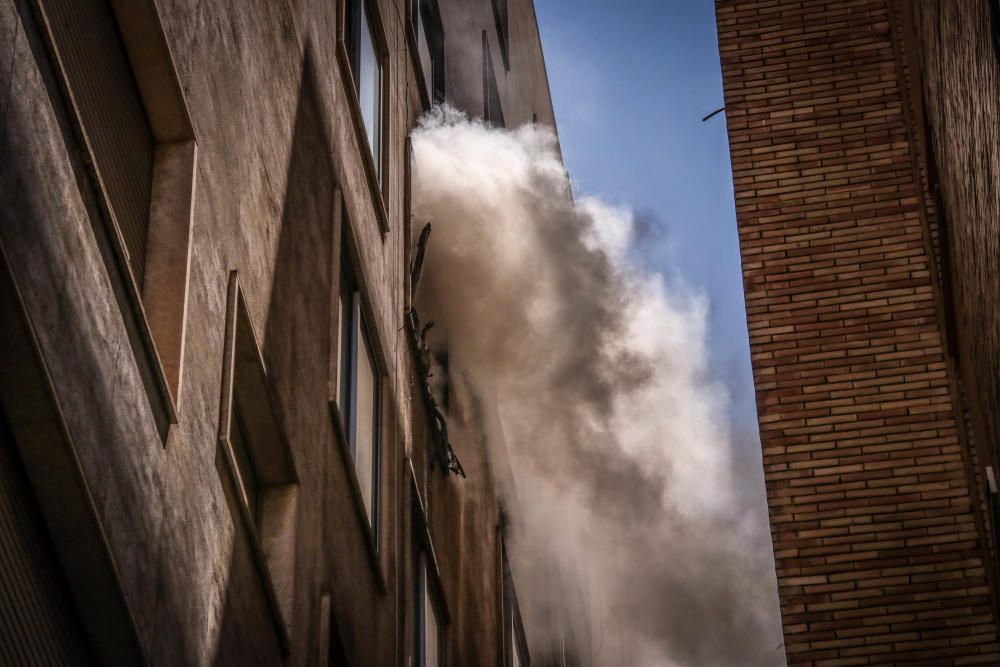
(427, 629)
(430, 47)
(258, 459)
(110, 108)
(503, 30)
(492, 111)
(366, 68)
(128, 111)
(359, 389)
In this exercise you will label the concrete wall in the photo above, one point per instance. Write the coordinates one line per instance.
(879, 547)
(268, 102)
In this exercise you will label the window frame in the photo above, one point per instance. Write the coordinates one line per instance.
(376, 166)
(345, 260)
(424, 597)
(360, 340)
(359, 23)
(425, 579)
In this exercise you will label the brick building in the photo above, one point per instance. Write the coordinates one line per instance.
(216, 443)
(864, 138)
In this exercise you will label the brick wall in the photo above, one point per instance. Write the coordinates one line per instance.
(877, 540)
(957, 55)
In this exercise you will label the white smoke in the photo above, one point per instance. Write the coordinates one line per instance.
(619, 439)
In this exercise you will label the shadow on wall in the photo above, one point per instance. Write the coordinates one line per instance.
(295, 343)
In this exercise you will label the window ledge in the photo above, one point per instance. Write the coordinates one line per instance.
(340, 438)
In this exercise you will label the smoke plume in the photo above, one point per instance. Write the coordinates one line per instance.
(628, 517)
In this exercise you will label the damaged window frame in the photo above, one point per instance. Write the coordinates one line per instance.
(443, 454)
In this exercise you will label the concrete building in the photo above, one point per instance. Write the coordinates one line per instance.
(217, 442)
(866, 159)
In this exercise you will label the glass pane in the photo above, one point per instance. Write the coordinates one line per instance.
(367, 406)
(370, 87)
(430, 629)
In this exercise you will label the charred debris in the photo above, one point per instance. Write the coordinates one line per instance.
(443, 453)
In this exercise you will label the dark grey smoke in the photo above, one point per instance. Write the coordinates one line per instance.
(631, 516)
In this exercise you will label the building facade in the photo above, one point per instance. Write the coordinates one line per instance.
(865, 163)
(218, 444)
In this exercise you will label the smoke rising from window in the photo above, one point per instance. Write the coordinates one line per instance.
(626, 513)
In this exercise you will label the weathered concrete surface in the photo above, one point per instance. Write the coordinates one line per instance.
(274, 130)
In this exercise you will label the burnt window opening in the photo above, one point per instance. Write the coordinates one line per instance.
(429, 34)
(502, 21)
(439, 379)
(444, 453)
(492, 108)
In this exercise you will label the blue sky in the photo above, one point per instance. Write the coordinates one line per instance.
(631, 82)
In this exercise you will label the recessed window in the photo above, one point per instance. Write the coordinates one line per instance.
(109, 105)
(492, 111)
(359, 389)
(258, 458)
(430, 46)
(366, 68)
(427, 626)
(503, 29)
(128, 111)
